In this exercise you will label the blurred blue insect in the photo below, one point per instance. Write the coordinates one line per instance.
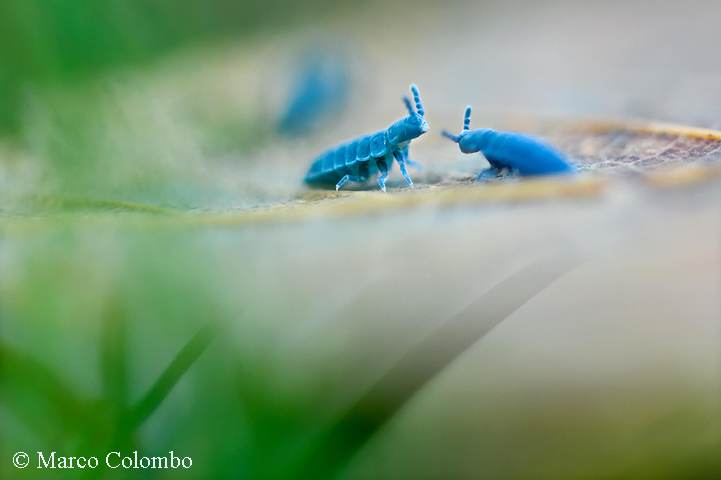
(363, 157)
(320, 91)
(519, 152)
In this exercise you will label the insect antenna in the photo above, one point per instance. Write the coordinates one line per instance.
(417, 98)
(409, 105)
(448, 134)
(467, 119)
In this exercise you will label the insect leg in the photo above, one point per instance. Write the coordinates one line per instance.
(488, 174)
(492, 172)
(410, 162)
(383, 168)
(361, 177)
(414, 164)
(349, 178)
(402, 164)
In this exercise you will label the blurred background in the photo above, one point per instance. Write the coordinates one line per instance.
(559, 338)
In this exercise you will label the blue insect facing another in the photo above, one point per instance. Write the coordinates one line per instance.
(359, 159)
(519, 152)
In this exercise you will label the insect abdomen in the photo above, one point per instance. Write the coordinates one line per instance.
(363, 149)
(323, 170)
(345, 159)
(334, 164)
(527, 154)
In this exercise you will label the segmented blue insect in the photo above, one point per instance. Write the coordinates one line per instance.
(519, 152)
(359, 159)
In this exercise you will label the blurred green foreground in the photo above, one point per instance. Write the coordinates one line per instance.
(563, 338)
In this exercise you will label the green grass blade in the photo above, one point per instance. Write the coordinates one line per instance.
(170, 377)
(419, 366)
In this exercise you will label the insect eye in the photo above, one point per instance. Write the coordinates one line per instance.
(413, 119)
